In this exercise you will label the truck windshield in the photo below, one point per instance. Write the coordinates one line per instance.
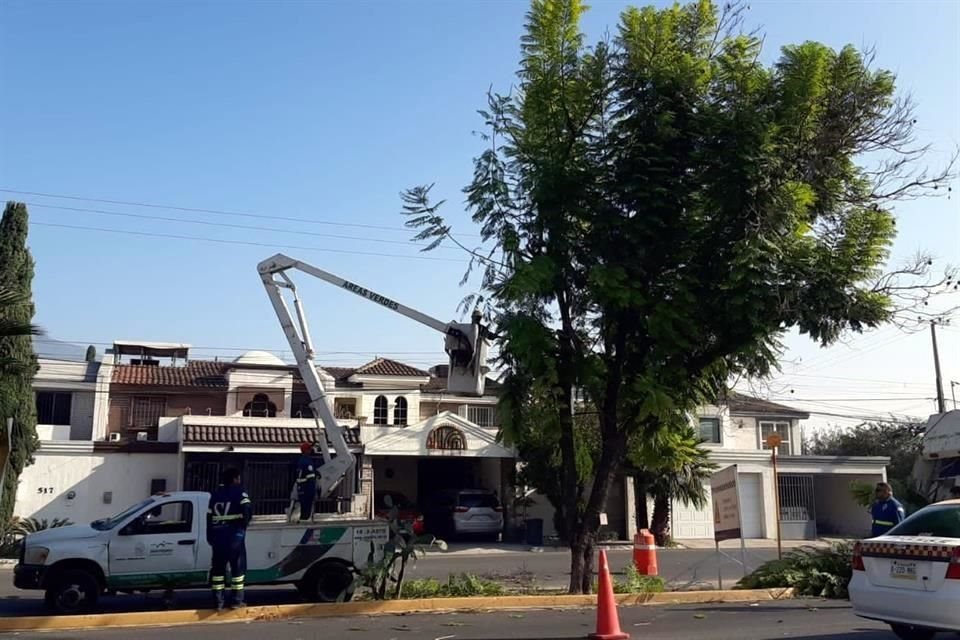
(109, 523)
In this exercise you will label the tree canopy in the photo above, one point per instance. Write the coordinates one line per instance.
(18, 363)
(659, 209)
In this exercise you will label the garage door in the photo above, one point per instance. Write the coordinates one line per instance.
(751, 505)
(691, 523)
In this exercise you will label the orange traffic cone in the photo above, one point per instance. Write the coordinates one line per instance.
(645, 553)
(608, 622)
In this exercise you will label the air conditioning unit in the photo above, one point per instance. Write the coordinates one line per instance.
(142, 436)
(114, 437)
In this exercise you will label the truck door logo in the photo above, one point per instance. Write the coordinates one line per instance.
(161, 549)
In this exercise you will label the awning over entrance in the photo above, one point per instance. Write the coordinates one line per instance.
(199, 433)
(445, 434)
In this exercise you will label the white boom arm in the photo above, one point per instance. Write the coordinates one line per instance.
(465, 344)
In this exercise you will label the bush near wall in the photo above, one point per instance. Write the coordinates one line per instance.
(822, 573)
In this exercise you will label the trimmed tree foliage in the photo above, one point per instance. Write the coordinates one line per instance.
(660, 209)
(16, 349)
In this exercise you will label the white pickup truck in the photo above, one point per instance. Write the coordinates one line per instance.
(161, 544)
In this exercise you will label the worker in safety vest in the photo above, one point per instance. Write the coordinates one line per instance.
(227, 518)
(887, 511)
(306, 481)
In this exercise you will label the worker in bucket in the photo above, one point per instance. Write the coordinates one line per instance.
(306, 481)
(227, 518)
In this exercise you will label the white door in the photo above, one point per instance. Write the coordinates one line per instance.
(751, 505)
(159, 545)
(689, 522)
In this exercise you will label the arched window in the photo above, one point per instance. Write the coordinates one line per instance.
(380, 410)
(260, 407)
(400, 411)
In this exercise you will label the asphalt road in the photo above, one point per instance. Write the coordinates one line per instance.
(521, 571)
(799, 620)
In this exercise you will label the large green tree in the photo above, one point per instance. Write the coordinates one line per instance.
(660, 209)
(16, 348)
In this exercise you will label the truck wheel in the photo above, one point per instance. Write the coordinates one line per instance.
(907, 632)
(73, 591)
(328, 582)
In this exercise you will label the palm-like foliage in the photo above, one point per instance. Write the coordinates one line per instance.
(9, 328)
(669, 466)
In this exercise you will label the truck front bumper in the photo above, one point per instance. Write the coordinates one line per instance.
(26, 576)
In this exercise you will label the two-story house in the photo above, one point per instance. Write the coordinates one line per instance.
(155, 420)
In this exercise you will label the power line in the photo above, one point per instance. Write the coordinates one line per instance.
(229, 226)
(219, 212)
(80, 343)
(837, 359)
(887, 399)
(172, 236)
(865, 380)
(864, 418)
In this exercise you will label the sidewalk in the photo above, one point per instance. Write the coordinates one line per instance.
(502, 548)
(763, 543)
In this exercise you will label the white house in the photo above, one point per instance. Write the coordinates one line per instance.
(147, 418)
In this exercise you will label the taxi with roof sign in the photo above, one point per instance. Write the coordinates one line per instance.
(910, 577)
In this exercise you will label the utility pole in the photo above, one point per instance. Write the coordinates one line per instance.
(941, 403)
(953, 392)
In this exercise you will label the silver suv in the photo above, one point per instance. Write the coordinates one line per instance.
(465, 512)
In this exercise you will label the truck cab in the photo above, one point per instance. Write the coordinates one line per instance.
(161, 543)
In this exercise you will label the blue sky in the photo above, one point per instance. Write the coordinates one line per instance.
(324, 112)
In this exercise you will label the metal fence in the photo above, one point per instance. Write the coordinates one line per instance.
(797, 502)
(269, 484)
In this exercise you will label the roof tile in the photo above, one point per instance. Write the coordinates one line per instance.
(387, 367)
(739, 403)
(281, 436)
(196, 373)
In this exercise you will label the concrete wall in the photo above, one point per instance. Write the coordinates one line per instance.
(404, 475)
(62, 469)
(243, 384)
(365, 405)
(742, 433)
(196, 404)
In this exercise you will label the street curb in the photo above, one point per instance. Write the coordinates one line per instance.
(348, 609)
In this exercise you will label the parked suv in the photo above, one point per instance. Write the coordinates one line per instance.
(464, 512)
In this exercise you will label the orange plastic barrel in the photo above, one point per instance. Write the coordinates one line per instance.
(645, 553)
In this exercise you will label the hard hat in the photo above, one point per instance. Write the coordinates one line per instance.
(306, 447)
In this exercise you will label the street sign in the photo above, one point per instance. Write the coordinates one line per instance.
(726, 504)
(774, 440)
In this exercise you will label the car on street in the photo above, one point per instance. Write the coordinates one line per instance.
(407, 511)
(910, 577)
(464, 512)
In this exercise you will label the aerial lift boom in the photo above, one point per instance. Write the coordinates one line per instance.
(465, 343)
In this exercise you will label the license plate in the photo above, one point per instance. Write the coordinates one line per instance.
(903, 570)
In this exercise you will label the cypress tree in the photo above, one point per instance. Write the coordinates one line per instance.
(16, 383)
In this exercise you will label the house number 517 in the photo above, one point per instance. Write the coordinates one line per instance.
(45, 490)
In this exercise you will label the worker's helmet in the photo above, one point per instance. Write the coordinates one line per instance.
(306, 447)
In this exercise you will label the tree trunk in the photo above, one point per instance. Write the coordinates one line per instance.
(585, 537)
(640, 492)
(660, 527)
